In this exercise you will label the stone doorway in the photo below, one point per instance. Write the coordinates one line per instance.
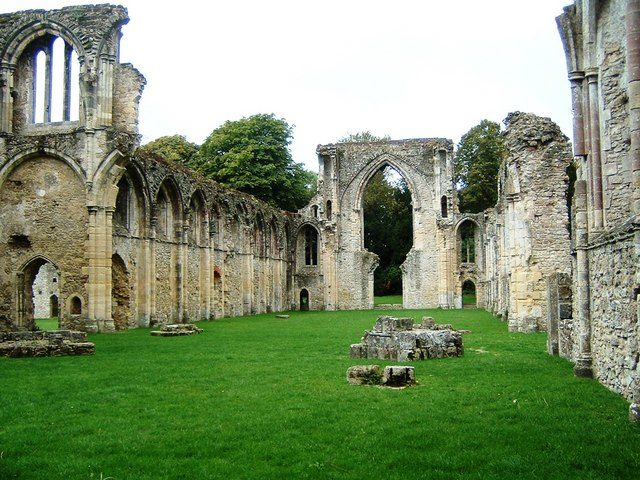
(469, 294)
(36, 290)
(304, 300)
(121, 293)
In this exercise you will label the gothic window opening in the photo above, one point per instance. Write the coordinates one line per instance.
(123, 211)
(443, 206)
(310, 246)
(467, 233)
(55, 81)
(328, 210)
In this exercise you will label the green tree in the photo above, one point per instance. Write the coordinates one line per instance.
(174, 148)
(477, 164)
(388, 229)
(252, 155)
(362, 137)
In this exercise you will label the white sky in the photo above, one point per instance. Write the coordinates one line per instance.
(407, 68)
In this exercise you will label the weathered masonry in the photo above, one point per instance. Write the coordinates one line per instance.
(435, 269)
(602, 45)
(105, 238)
(127, 240)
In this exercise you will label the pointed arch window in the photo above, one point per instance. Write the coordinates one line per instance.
(55, 82)
(310, 246)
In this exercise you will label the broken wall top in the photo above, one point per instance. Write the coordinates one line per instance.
(90, 28)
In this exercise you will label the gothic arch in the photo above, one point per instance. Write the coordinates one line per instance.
(35, 153)
(362, 178)
(25, 35)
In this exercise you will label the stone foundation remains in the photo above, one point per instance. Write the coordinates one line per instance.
(177, 330)
(396, 339)
(393, 376)
(45, 344)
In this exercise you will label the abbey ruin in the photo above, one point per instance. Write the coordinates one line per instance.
(107, 238)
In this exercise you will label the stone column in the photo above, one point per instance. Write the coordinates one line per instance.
(577, 98)
(583, 366)
(595, 161)
(151, 286)
(6, 100)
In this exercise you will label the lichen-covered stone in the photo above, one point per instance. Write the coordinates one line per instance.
(399, 376)
(44, 344)
(364, 375)
(177, 330)
(402, 341)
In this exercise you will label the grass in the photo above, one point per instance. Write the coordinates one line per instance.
(469, 299)
(388, 299)
(266, 398)
(47, 323)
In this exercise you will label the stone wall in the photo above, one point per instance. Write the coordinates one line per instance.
(431, 271)
(602, 46)
(133, 240)
(527, 234)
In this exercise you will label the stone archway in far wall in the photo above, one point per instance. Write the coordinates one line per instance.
(426, 167)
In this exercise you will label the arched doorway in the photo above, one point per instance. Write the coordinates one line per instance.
(37, 290)
(304, 300)
(388, 230)
(120, 293)
(469, 296)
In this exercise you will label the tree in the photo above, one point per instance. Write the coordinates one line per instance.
(362, 137)
(477, 164)
(252, 155)
(174, 148)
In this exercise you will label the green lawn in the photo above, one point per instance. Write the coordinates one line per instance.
(469, 299)
(266, 398)
(388, 299)
(47, 323)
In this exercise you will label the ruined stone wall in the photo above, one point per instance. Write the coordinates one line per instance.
(527, 233)
(602, 46)
(430, 272)
(134, 241)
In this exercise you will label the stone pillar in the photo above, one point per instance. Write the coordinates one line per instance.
(152, 270)
(577, 98)
(583, 366)
(595, 162)
(6, 99)
(559, 298)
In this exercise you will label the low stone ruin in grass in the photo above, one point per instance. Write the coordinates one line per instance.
(393, 376)
(45, 344)
(177, 330)
(397, 338)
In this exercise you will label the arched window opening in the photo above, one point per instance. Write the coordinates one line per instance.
(328, 210)
(310, 246)
(443, 206)
(197, 222)
(164, 217)
(304, 300)
(123, 211)
(76, 306)
(314, 210)
(55, 82)
(54, 307)
(469, 298)
(388, 229)
(467, 233)
(40, 86)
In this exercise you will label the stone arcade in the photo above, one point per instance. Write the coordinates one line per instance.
(132, 240)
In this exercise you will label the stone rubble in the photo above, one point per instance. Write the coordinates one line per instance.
(45, 344)
(396, 339)
(177, 330)
(396, 376)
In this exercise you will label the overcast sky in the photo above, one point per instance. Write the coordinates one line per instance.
(407, 68)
